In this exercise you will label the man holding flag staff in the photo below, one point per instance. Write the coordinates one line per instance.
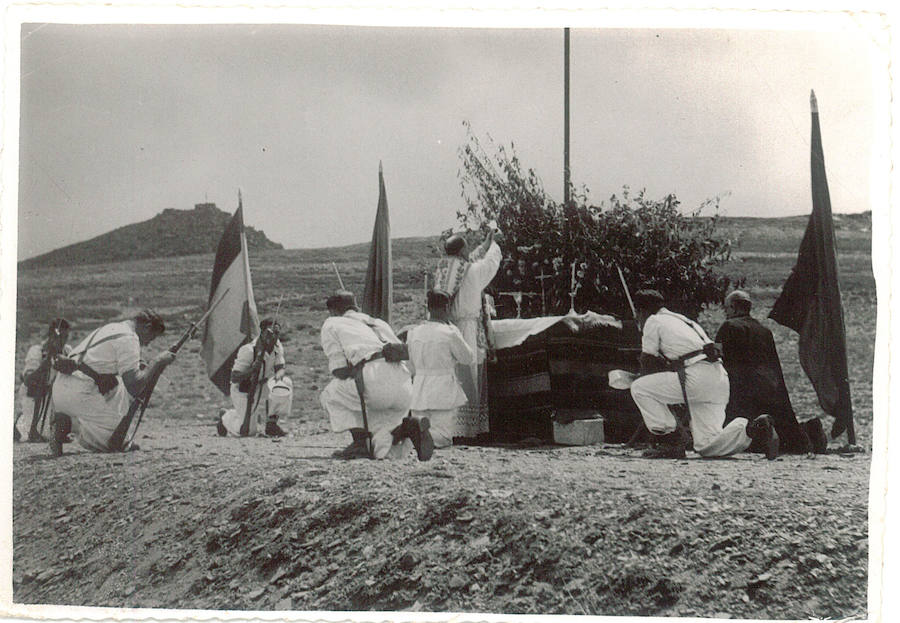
(100, 378)
(257, 362)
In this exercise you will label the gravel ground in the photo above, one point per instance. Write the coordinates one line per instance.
(196, 521)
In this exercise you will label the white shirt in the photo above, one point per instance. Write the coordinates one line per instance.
(434, 350)
(352, 337)
(112, 349)
(671, 335)
(244, 359)
(35, 356)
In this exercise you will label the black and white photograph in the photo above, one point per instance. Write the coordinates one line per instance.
(427, 314)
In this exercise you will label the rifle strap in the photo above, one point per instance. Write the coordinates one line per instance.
(92, 344)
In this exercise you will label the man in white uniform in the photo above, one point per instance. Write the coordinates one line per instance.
(361, 353)
(100, 377)
(680, 347)
(436, 348)
(37, 379)
(464, 277)
(267, 353)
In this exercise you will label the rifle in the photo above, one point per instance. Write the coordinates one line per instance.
(117, 442)
(42, 401)
(338, 273)
(627, 293)
(255, 388)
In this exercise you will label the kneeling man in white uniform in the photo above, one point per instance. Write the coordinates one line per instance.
(436, 350)
(681, 363)
(256, 364)
(366, 360)
(100, 377)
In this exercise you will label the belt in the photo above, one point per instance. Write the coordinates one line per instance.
(104, 382)
(365, 360)
(686, 360)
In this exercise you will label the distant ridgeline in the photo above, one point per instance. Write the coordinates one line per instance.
(169, 233)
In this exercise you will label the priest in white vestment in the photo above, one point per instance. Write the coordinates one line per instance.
(464, 277)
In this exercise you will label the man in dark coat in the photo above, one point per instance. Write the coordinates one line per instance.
(755, 375)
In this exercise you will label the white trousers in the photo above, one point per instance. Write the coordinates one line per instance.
(26, 411)
(388, 395)
(94, 416)
(707, 392)
(443, 425)
(234, 418)
(281, 397)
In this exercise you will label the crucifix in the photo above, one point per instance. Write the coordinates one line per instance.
(573, 290)
(543, 299)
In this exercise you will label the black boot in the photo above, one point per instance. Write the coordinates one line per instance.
(418, 430)
(761, 431)
(220, 426)
(59, 433)
(816, 435)
(273, 429)
(359, 449)
(668, 446)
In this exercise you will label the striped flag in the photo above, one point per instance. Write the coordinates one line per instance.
(379, 286)
(235, 321)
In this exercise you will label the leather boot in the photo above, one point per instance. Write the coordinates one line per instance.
(816, 435)
(273, 429)
(60, 428)
(356, 450)
(668, 446)
(762, 431)
(220, 426)
(418, 430)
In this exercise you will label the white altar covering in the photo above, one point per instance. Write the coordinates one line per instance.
(513, 331)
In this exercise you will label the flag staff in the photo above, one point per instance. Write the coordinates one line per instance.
(566, 119)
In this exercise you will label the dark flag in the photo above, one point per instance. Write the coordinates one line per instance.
(234, 322)
(810, 302)
(379, 287)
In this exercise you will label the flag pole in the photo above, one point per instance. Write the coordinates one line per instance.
(566, 119)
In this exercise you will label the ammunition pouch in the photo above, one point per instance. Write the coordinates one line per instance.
(65, 365)
(244, 386)
(343, 373)
(395, 352)
(712, 352)
(105, 382)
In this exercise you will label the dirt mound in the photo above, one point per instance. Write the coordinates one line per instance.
(196, 521)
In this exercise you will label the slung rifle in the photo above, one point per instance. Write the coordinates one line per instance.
(259, 355)
(125, 432)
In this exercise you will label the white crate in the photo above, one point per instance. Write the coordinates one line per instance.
(579, 432)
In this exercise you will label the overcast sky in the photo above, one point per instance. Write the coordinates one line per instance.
(119, 122)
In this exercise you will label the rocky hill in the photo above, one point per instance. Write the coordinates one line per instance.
(170, 233)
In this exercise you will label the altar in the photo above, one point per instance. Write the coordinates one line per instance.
(556, 368)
